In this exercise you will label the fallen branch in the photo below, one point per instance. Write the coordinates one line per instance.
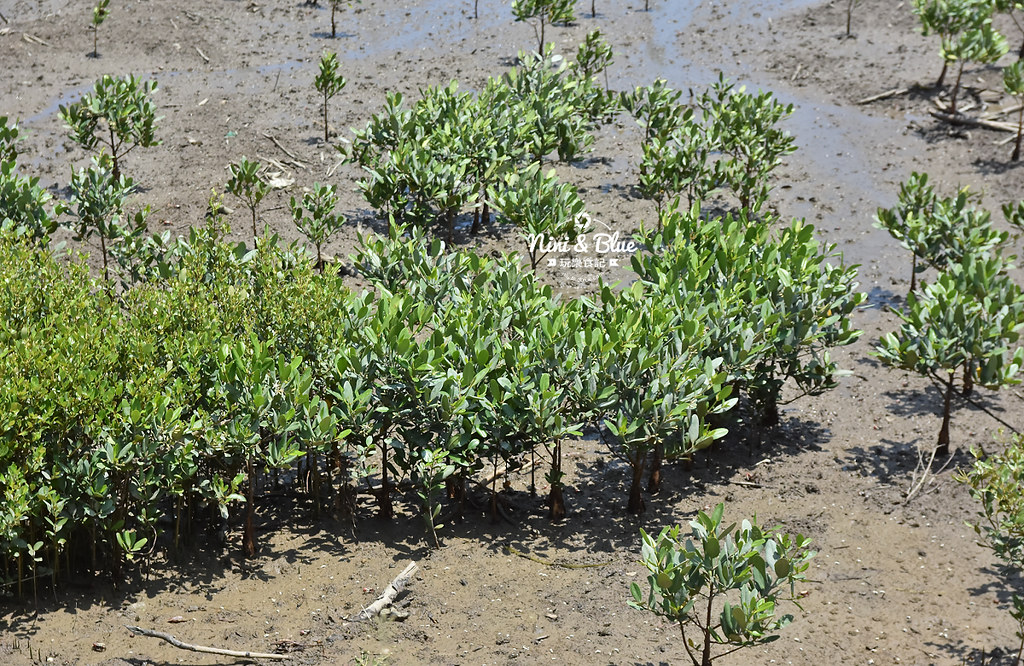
(4, 18)
(32, 39)
(199, 648)
(202, 55)
(958, 119)
(1002, 112)
(283, 149)
(884, 95)
(388, 597)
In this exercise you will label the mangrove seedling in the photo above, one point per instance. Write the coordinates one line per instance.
(721, 582)
(1010, 8)
(246, 184)
(549, 214)
(329, 82)
(335, 6)
(950, 19)
(981, 44)
(97, 206)
(994, 481)
(593, 56)
(850, 4)
(119, 114)
(1013, 82)
(315, 217)
(969, 318)
(99, 14)
(539, 13)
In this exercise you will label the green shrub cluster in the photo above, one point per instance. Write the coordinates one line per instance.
(453, 150)
(967, 320)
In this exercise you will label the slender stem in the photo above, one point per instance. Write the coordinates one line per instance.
(706, 660)
(103, 248)
(913, 273)
(942, 447)
(686, 644)
(113, 153)
(956, 88)
(1020, 129)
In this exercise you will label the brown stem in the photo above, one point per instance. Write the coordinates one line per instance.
(654, 481)
(956, 88)
(636, 499)
(913, 273)
(1020, 129)
(325, 116)
(384, 508)
(249, 533)
(942, 75)
(103, 248)
(113, 155)
(942, 447)
(693, 657)
(556, 499)
(706, 657)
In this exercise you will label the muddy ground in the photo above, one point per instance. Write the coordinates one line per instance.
(895, 581)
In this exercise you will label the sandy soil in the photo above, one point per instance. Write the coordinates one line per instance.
(895, 581)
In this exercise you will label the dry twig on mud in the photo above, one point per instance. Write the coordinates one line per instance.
(958, 119)
(207, 650)
(388, 597)
(894, 92)
(295, 160)
(927, 475)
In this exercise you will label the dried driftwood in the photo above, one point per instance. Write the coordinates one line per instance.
(199, 648)
(884, 95)
(388, 597)
(958, 119)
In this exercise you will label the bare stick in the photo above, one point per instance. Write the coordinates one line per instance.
(4, 18)
(202, 55)
(894, 92)
(1002, 112)
(390, 593)
(283, 149)
(199, 648)
(32, 39)
(956, 119)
